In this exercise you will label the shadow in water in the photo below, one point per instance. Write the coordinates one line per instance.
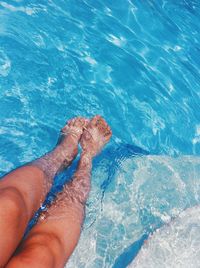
(130, 253)
(114, 157)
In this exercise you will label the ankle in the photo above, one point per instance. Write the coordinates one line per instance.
(85, 162)
(86, 155)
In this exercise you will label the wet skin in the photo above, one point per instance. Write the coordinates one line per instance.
(53, 239)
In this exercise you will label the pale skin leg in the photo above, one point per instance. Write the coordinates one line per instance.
(52, 241)
(23, 190)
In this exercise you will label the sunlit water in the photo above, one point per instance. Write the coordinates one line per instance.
(175, 246)
(137, 64)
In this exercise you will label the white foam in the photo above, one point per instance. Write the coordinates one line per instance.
(5, 64)
(143, 191)
(176, 245)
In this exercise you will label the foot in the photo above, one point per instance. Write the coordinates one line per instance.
(70, 136)
(95, 136)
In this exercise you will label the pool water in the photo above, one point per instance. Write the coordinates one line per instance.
(137, 64)
(181, 239)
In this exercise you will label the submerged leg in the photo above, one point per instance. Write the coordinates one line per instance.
(51, 242)
(23, 190)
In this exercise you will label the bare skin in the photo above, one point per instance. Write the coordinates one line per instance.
(23, 190)
(52, 241)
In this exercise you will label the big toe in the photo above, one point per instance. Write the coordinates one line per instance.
(97, 121)
(100, 123)
(81, 122)
(108, 132)
(94, 120)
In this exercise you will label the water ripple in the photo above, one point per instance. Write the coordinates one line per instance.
(134, 62)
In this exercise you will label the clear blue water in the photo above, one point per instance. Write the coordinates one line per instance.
(137, 64)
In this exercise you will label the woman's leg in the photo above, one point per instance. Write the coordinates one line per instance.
(23, 190)
(53, 239)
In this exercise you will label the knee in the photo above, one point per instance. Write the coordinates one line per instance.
(50, 241)
(12, 201)
(39, 250)
(33, 256)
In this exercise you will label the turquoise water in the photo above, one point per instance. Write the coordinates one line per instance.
(182, 237)
(137, 64)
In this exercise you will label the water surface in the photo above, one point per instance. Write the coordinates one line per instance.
(137, 64)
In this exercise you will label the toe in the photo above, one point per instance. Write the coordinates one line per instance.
(100, 121)
(108, 132)
(108, 128)
(71, 122)
(79, 122)
(86, 122)
(83, 122)
(101, 124)
(94, 120)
